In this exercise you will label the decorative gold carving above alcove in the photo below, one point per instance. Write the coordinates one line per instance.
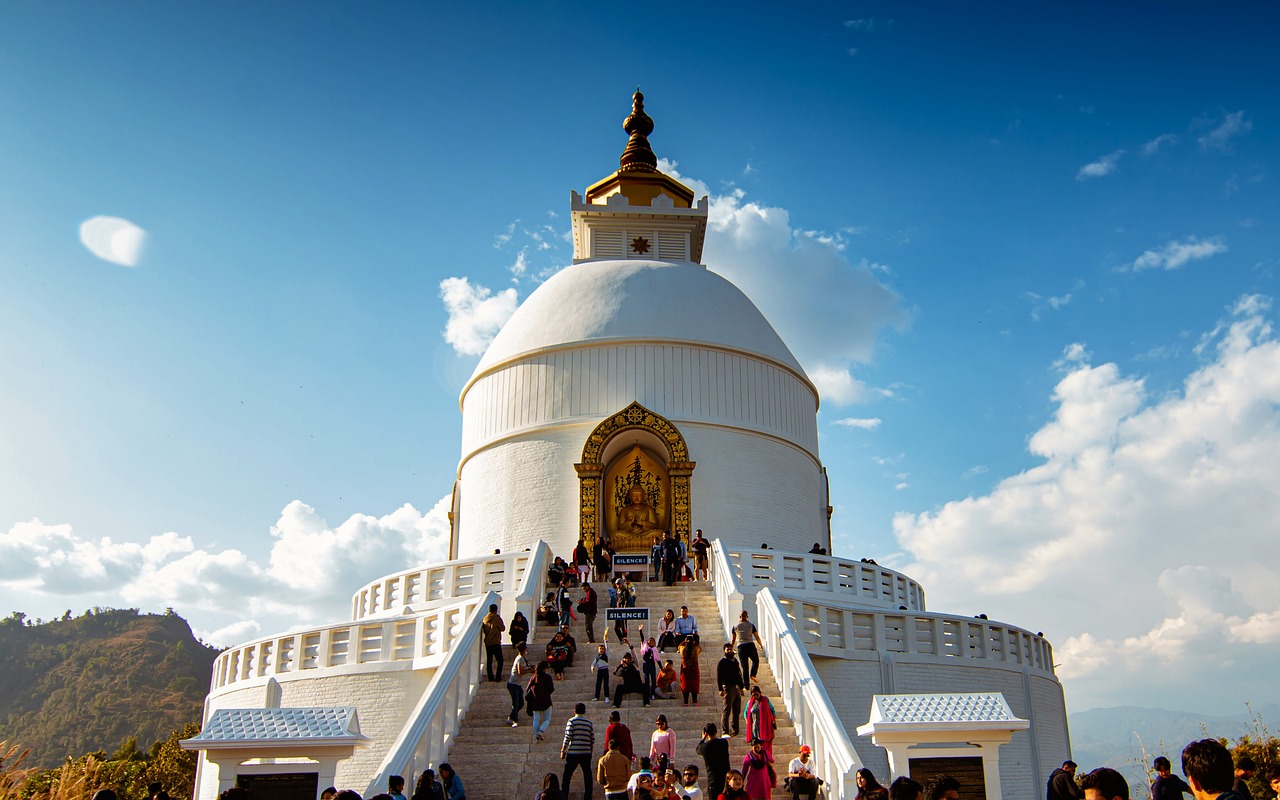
(638, 493)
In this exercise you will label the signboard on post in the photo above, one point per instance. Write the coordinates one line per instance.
(628, 614)
(630, 561)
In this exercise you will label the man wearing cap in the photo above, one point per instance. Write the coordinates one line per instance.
(803, 783)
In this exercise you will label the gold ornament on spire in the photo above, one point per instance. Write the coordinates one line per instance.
(638, 177)
(638, 156)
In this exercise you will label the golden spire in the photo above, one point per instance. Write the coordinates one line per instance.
(638, 178)
(638, 156)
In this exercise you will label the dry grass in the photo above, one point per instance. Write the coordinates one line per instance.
(12, 775)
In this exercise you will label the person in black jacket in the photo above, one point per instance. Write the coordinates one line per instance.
(715, 754)
(1167, 786)
(1062, 783)
(630, 681)
(729, 682)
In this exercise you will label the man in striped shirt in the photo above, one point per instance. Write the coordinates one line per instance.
(579, 742)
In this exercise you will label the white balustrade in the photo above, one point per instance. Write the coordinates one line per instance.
(818, 576)
(858, 633)
(816, 720)
(419, 588)
(419, 641)
(724, 582)
(434, 723)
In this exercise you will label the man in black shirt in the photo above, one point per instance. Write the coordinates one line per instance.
(1167, 786)
(729, 680)
(715, 753)
(1062, 783)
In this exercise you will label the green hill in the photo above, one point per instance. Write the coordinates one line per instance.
(77, 685)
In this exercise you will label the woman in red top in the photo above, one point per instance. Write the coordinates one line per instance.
(690, 676)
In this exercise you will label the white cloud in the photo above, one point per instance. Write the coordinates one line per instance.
(1039, 304)
(827, 308)
(1163, 507)
(836, 385)
(228, 595)
(114, 239)
(865, 423)
(1104, 166)
(1233, 125)
(1159, 143)
(1174, 254)
(976, 470)
(475, 314)
(860, 24)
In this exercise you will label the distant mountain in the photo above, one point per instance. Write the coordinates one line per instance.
(1127, 738)
(81, 684)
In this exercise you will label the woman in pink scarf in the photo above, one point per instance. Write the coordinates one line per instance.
(761, 722)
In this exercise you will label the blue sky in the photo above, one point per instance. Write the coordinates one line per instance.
(1033, 250)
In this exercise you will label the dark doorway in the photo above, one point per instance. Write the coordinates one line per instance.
(965, 769)
(281, 786)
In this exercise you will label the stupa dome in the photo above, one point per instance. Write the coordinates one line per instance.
(611, 301)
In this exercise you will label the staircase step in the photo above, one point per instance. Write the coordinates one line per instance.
(497, 761)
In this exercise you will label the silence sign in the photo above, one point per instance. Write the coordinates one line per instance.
(641, 614)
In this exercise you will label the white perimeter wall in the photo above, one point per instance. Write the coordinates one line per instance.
(750, 423)
(1032, 697)
(383, 702)
(746, 489)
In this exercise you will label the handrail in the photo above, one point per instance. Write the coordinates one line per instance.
(854, 632)
(826, 576)
(724, 581)
(816, 720)
(415, 641)
(439, 713)
(422, 587)
(529, 596)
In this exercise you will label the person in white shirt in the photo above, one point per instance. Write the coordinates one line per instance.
(803, 783)
(689, 783)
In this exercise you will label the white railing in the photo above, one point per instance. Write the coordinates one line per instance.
(724, 581)
(819, 576)
(854, 633)
(420, 641)
(427, 736)
(417, 589)
(815, 718)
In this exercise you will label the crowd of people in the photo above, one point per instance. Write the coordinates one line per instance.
(626, 773)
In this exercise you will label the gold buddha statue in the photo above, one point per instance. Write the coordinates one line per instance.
(637, 522)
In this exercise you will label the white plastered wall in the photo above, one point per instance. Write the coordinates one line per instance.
(747, 488)
(383, 702)
(750, 424)
(1031, 696)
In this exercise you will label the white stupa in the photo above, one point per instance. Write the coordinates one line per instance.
(636, 391)
(638, 366)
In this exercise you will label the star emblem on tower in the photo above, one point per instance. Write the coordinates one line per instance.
(640, 245)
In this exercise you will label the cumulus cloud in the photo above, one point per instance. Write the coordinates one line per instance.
(228, 595)
(1104, 166)
(837, 385)
(476, 314)
(1164, 507)
(827, 308)
(1175, 254)
(114, 239)
(1232, 126)
(865, 423)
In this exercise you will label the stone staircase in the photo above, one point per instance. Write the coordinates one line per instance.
(498, 762)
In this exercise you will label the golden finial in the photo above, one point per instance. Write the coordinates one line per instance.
(638, 156)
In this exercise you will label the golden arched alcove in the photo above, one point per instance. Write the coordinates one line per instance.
(633, 480)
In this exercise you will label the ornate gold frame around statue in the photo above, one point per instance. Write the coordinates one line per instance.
(665, 500)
